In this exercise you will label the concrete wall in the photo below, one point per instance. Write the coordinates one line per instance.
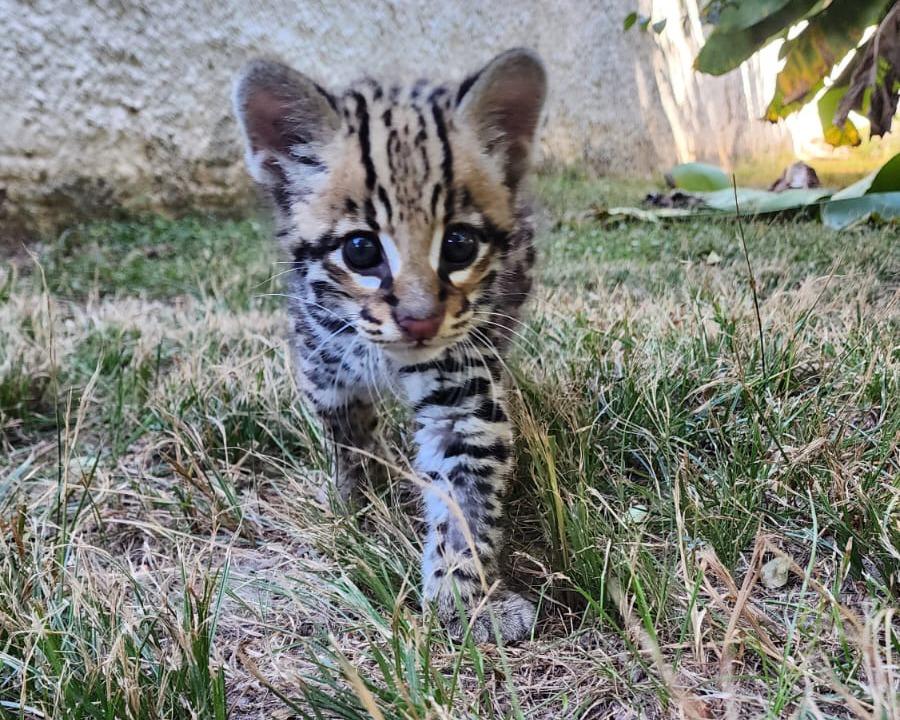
(115, 102)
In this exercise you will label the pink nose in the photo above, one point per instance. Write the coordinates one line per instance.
(420, 328)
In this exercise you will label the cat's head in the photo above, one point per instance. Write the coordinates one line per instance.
(396, 203)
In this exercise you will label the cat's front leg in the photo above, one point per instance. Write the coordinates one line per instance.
(330, 375)
(352, 428)
(466, 459)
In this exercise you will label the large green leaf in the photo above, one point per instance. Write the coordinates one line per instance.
(884, 180)
(847, 133)
(724, 51)
(742, 15)
(759, 202)
(827, 39)
(699, 177)
(841, 214)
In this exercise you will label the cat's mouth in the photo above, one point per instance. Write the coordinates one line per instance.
(418, 350)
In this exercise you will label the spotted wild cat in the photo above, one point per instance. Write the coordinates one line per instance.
(412, 255)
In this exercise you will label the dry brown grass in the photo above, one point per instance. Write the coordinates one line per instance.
(174, 501)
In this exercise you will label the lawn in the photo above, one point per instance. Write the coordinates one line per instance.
(707, 504)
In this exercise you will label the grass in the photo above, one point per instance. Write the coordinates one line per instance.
(163, 554)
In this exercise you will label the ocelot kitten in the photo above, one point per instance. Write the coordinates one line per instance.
(398, 206)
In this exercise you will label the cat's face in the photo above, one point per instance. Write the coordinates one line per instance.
(396, 203)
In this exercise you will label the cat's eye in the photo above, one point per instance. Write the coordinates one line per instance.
(460, 246)
(362, 250)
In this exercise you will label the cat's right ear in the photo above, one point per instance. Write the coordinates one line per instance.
(285, 119)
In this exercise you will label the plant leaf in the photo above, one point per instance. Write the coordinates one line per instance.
(755, 202)
(778, 108)
(873, 83)
(742, 15)
(827, 39)
(724, 51)
(847, 133)
(630, 19)
(842, 214)
(884, 179)
(699, 177)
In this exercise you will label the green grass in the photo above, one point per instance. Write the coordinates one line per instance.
(164, 554)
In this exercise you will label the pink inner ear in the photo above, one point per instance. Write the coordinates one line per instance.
(265, 117)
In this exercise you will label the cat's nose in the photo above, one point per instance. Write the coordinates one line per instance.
(420, 328)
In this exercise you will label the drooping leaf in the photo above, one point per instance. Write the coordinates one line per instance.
(826, 40)
(845, 134)
(724, 51)
(742, 15)
(696, 176)
(842, 214)
(873, 78)
(885, 179)
(778, 108)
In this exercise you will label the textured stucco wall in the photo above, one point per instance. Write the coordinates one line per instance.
(111, 102)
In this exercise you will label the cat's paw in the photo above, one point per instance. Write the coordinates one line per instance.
(337, 494)
(513, 614)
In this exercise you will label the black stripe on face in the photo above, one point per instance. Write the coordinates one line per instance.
(309, 160)
(368, 317)
(300, 254)
(447, 158)
(362, 116)
(370, 215)
(282, 197)
(324, 245)
(332, 324)
(382, 195)
(435, 194)
(324, 290)
(496, 236)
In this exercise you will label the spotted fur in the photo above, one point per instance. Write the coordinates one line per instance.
(404, 163)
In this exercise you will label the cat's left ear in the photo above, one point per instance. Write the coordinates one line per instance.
(503, 102)
(285, 118)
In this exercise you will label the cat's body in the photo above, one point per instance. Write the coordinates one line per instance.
(411, 258)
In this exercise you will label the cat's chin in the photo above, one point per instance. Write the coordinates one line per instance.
(414, 354)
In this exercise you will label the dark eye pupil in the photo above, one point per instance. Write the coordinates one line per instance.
(460, 246)
(362, 252)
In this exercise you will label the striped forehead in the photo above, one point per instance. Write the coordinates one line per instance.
(402, 139)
